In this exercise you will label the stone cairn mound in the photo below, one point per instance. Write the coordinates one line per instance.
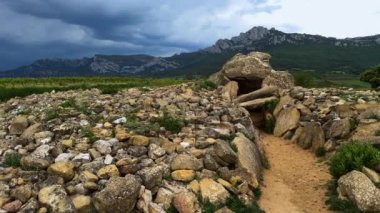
(83, 151)
(319, 118)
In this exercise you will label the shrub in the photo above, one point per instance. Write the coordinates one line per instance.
(171, 123)
(237, 206)
(265, 162)
(353, 156)
(51, 113)
(81, 107)
(25, 112)
(172, 209)
(371, 76)
(269, 124)
(207, 84)
(87, 132)
(233, 203)
(68, 103)
(374, 116)
(353, 124)
(304, 79)
(257, 192)
(12, 160)
(377, 185)
(142, 127)
(270, 105)
(228, 138)
(377, 133)
(320, 152)
(234, 147)
(208, 207)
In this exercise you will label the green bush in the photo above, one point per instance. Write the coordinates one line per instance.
(12, 160)
(87, 132)
(269, 124)
(52, 113)
(304, 79)
(377, 133)
(353, 124)
(172, 209)
(320, 152)
(171, 123)
(353, 156)
(228, 138)
(265, 162)
(81, 107)
(270, 105)
(371, 76)
(377, 185)
(237, 206)
(207, 84)
(233, 203)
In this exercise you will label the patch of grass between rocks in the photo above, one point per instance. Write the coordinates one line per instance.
(12, 160)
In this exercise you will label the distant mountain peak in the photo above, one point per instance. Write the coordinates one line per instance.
(292, 51)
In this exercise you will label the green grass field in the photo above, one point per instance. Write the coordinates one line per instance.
(21, 87)
(309, 78)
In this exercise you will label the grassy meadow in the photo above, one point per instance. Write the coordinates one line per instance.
(331, 79)
(21, 87)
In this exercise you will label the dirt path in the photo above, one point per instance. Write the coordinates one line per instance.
(295, 181)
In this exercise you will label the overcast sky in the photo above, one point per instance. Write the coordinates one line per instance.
(33, 29)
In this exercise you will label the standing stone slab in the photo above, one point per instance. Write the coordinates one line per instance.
(287, 120)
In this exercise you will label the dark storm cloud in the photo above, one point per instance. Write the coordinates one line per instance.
(33, 29)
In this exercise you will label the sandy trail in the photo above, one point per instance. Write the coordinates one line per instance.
(295, 181)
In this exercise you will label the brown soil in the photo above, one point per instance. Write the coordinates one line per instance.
(296, 180)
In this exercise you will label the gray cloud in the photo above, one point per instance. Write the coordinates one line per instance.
(33, 29)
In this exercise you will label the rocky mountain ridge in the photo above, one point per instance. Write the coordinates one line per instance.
(290, 51)
(259, 37)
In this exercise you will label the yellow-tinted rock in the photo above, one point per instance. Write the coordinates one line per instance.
(82, 203)
(139, 140)
(90, 185)
(108, 171)
(122, 135)
(194, 186)
(235, 180)
(224, 183)
(62, 169)
(213, 191)
(107, 125)
(88, 176)
(183, 175)
(67, 143)
(55, 198)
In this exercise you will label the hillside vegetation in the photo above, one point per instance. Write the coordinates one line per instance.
(12, 87)
(290, 51)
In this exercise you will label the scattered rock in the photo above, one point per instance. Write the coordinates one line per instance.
(359, 188)
(185, 202)
(186, 162)
(55, 199)
(108, 172)
(213, 191)
(287, 120)
(13, 206)
(310, 134)
(120, 195)
(248, 158)
(183, 175)
(18, 125)
(82, 203)
(62, 169)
